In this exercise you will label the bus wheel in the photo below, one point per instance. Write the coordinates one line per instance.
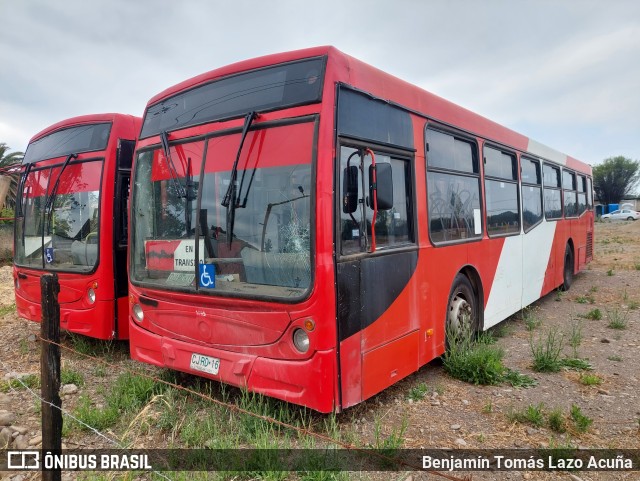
(462, 312)
(568, 268)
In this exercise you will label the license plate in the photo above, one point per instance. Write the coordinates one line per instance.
(206, 364)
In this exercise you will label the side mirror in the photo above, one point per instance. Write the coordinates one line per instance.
(383, 186)
(350, 189)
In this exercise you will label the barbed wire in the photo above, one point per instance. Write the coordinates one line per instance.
(68, 414)
(269, 419)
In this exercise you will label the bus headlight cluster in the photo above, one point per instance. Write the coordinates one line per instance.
(301, 340)
(138, 315)
(91, 295)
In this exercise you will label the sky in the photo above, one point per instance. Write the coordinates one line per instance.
(563, 72)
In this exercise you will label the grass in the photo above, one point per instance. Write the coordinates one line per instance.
(417, 393)
(581, 422)
(473, 362)
(575, 337)
(31, 381)
(615, 358)
(98, 348)
(587, 299)
(590, 379)
(633, 305)
(556, 421)
(610, 272)
(617, 319)
(479, 361)
(517, 379)
(531, 319)
(576, 364)
(127, 396)
(69, 376)
(593, 315)
(537, 416)
(4, 310)
(546, 351)
(533, 415)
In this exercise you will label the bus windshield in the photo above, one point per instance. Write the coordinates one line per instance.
(269, 251)
(64, 236)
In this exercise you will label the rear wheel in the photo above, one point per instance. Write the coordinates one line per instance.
(568, 268)
(630, 218)
(462, 310)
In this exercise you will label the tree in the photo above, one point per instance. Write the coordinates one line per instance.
(615, 178)
(9, 175)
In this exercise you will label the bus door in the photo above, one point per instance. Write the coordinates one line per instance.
(377, 311)
(120, 234)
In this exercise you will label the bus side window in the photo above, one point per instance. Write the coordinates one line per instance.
(394, 222)
(453, 187)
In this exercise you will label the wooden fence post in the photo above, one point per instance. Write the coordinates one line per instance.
(50, 371)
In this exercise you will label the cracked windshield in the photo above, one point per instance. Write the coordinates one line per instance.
(259, 244)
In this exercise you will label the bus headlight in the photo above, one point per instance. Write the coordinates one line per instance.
(301, 340)
(138, 315)
(91, 295)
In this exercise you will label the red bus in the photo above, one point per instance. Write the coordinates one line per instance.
(307, 226)
(71, 218)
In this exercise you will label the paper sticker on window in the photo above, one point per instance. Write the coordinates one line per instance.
(477, 227)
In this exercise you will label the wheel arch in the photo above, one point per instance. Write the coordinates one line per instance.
(471, 273)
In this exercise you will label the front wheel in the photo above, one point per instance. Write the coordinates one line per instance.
(567, 278)
(630, 218)
(462, 311)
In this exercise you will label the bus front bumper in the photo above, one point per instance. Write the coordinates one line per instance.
(309, 382)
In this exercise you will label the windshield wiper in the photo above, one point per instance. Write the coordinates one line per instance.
(48, 206)
(231, 198)
(164, 139)
(19, 191)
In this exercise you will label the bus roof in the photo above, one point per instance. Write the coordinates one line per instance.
(88, 119)
(349, 70)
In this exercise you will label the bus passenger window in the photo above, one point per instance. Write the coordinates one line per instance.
(531, 193)
(552, 193)
(501, 189)
(570, 194)
(582, 194)
(453, 188)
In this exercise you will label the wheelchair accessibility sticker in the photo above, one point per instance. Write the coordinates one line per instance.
(207, 276)
(48, 254)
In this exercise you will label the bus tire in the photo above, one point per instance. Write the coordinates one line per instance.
(462, 311)
(567, 276)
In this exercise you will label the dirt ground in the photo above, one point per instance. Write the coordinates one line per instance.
(454, 414)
